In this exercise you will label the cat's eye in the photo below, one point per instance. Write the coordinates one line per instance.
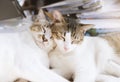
(63, 39)
(75, 42)
(75, 37)
(40, 36)
(51, 37)
(46, 25)
(74, 34)
(72, 42)
(64, 33)
(44, 30)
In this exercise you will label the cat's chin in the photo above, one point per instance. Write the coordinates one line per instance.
(68, 51)
(65, 50)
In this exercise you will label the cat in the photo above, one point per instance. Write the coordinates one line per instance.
(20, 57)
(76, 55)
(114, 41)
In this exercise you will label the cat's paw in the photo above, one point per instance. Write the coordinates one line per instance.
(21, 80)
(107, 78)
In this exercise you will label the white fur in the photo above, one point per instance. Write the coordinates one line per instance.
(84, 62)
(113, 73)
(107, 78)
(20, 57)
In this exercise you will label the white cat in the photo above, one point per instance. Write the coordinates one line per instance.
(76, 55)
(20, 57)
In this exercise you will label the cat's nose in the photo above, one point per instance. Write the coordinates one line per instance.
(65, 48)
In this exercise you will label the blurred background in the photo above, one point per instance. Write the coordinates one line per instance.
(105, 14)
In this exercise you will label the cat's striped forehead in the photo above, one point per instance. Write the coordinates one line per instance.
(61, 31)
(77, 35)
(59, 27)
(39, 26)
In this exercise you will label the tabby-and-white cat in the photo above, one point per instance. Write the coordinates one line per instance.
(76, 55)
(114, 41)
(20, 57)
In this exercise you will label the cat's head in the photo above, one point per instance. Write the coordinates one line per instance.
(67, 33)
(41, 31)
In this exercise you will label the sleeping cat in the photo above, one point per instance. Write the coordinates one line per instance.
(114, 41)
(20, 57)
(76, 55)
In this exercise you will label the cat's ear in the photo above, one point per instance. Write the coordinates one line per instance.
(86, 27)
(57, 16)
(41, 15)
(49, 15)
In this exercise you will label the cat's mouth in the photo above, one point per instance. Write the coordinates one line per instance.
(66, 48)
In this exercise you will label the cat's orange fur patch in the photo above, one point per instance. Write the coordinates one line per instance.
(114, 41)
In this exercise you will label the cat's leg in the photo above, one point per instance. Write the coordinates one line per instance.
(40, 75)
(85, 68)
(30, 68)
(107, 78)
(21, 80)
(85, 76)
(112, 70)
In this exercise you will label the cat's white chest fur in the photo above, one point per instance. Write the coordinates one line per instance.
(86, 61)
(61, 58)
(62, 61)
